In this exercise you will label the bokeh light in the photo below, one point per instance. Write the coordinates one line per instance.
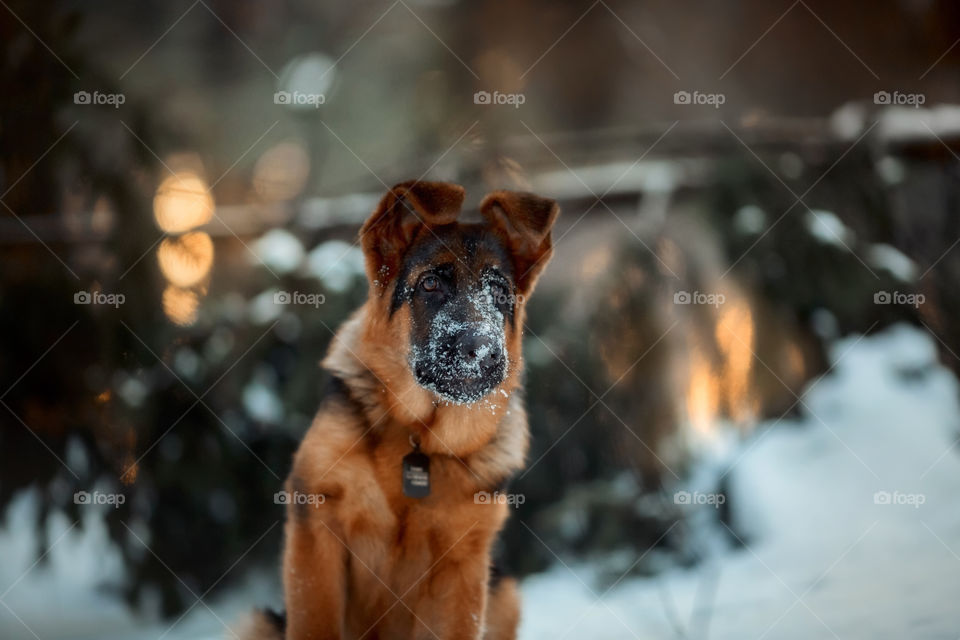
(281, 172)
(180, 305)
(182, 202)
(186, 260)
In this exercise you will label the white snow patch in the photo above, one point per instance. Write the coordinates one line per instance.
(883, 256)
(310, 74)
(750, 219)
(278, 249)
(187, 363)
(64, 596)
(335, 263)
(848, 121)
(828, 228)
(318, 213)
(72, 594)
(261, 403)
(909, 123)
(131, 390)
(803, 494)
(891, 169)
(264, 308)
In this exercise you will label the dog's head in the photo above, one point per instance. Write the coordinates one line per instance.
(455, 292)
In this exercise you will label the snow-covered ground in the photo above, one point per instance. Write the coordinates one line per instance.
(849, 521)
(849, 516)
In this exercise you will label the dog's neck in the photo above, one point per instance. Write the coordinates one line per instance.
(491, 429)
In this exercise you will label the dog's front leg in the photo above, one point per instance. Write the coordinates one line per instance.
(313, 581)
(452, 600)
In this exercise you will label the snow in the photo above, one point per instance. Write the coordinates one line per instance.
(436, 361)
(822, 557)
(280, 250)
(897, 123)
(335, 263)
(70, 594)
(320, 213)
(261, 403)
(848, 517)
(647, 176)
(892, 170)
(750, 220)
(264, 308)
(884, 256)
(826, 227)
(308, 74)
(909, 123)
(132, 390)
(848, 121)
(81, 562)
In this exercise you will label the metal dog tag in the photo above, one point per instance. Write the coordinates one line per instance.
(416, 475)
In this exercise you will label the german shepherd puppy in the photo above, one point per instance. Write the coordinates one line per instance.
(390, 522)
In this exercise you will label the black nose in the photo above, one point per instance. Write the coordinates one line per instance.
(479, 349)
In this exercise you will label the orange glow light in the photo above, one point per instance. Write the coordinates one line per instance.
(186, 260)
(182, 202)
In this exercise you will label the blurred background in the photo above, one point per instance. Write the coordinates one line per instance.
(741, 362)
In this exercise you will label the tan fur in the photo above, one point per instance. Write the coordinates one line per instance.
(370, 562)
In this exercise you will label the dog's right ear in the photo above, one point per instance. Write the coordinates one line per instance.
(404, 212)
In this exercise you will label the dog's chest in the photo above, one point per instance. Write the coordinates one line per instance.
(399, 536)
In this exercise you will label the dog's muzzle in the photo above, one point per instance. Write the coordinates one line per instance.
(463, 366)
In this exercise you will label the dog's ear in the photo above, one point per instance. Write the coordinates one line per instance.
(523, 222)
(403, 213)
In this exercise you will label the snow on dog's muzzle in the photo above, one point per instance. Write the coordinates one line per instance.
(463, 359)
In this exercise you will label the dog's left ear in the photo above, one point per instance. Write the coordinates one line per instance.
(523, 221)
(404, 212)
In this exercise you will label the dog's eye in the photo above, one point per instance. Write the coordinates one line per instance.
(430, 283)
